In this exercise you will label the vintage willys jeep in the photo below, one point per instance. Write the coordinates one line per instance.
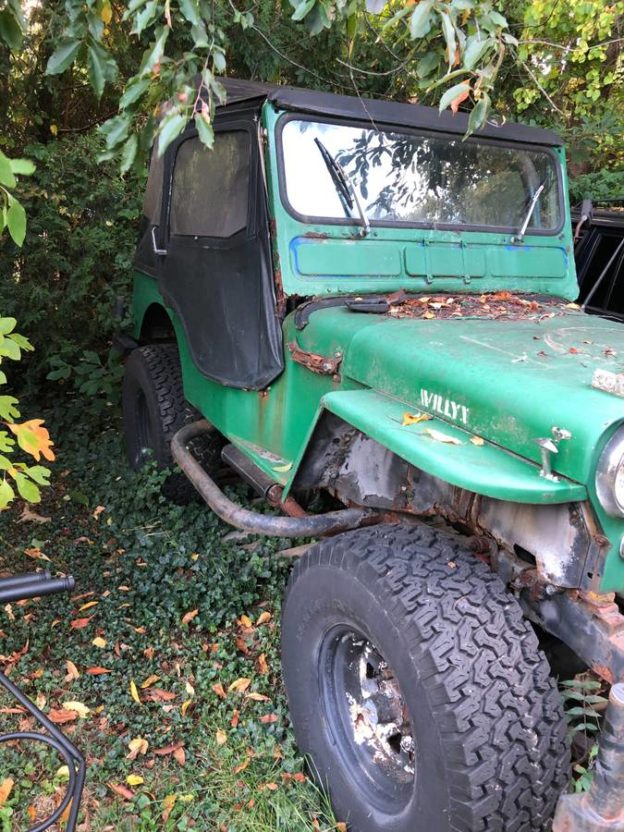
(345, 297)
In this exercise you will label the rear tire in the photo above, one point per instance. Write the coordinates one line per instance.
(154, 408)
(417, 688)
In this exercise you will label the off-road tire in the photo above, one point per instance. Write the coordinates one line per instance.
(154, 408)
(486, 717)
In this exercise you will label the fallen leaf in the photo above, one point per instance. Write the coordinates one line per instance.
(134, 780)
(168, 749)
(30, 516)
(80, 623)
(299, 777)
(97, 671)
(60, 716)
(151, 680)
(137, 746)
(221, 737)
(121, 790)
(263, 667)
(159, 695)
(88, 605)
(477, 440)
(271, 786)
(72, 671)
(36, 554)
(179, 756)
(239, 685)
(189, 616)
(168, 804)
(79, 707)
(415, 418)
(341, 826)
(263, 618)
(442, 437)
(6, 787)
(99, 642)
(235, 718)
(97, 511)
(219, 690)
(257, 697)
(134, 692)
(282, 469)
(267, 719)
(241, 766)
(185, 706)
(245, 620)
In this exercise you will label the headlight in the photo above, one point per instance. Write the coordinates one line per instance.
(610, 476)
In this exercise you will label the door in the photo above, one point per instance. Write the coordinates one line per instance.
(217, 272)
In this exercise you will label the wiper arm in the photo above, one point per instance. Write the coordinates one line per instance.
(519, 237)
(344, 186)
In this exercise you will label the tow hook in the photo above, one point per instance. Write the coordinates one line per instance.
(602, 806)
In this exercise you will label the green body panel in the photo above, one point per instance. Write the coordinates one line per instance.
(507, 381)
(318, 259)
(486, 469)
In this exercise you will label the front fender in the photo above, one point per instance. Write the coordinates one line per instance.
(448, 452)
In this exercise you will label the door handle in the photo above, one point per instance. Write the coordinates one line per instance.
(158, 251)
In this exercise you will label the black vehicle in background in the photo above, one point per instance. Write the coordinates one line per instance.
(599, 255)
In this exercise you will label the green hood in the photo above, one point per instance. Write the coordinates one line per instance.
(509, 381)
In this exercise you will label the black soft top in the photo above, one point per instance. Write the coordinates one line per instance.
(388, 113)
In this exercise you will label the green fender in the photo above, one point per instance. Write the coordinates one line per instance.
(449, 452)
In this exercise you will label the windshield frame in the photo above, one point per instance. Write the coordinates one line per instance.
(285, 118)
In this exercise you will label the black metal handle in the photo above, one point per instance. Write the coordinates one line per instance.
(33, 588)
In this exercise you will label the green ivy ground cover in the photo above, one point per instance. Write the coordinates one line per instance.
(164, 661)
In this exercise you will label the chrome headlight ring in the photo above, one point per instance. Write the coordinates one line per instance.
(610, 476)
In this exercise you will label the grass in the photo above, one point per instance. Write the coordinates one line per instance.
(183, 616)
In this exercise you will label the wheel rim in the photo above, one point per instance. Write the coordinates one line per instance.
(144, 441)
(367, 717)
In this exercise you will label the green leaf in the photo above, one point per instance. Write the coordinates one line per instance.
(23, 167)
(452, 93)
(426, 65)
(129, 152)
(8, 409)
(448, 30)
(153, 55)
(11, 30)
(6, 172)
(63, 57)
(421, 20)
(9, 349)
(476, 47)
(22, 343)
(115, 130)
(16, 222)
(190, 10)
(27, 489)
(145, 17)
(171, 127)
(303, 9)
(7, 325)
(96, 71)
(7, 443)
(478, 114)
(39, 474)
(133, 91)
(6, 494)
(204, 131)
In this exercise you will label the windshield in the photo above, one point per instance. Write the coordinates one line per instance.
(406, 178)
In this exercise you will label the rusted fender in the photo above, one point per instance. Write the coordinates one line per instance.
(311, 525)
(602, 807)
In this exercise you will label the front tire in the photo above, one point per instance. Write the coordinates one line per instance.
(417, 688)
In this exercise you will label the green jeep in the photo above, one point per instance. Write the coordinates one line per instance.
(354, 307)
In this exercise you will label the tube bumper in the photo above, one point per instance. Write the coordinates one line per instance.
(601, 808)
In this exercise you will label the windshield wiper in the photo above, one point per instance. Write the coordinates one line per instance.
(519, 237)
(344, 187)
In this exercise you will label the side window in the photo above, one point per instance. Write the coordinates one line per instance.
(210, 193)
